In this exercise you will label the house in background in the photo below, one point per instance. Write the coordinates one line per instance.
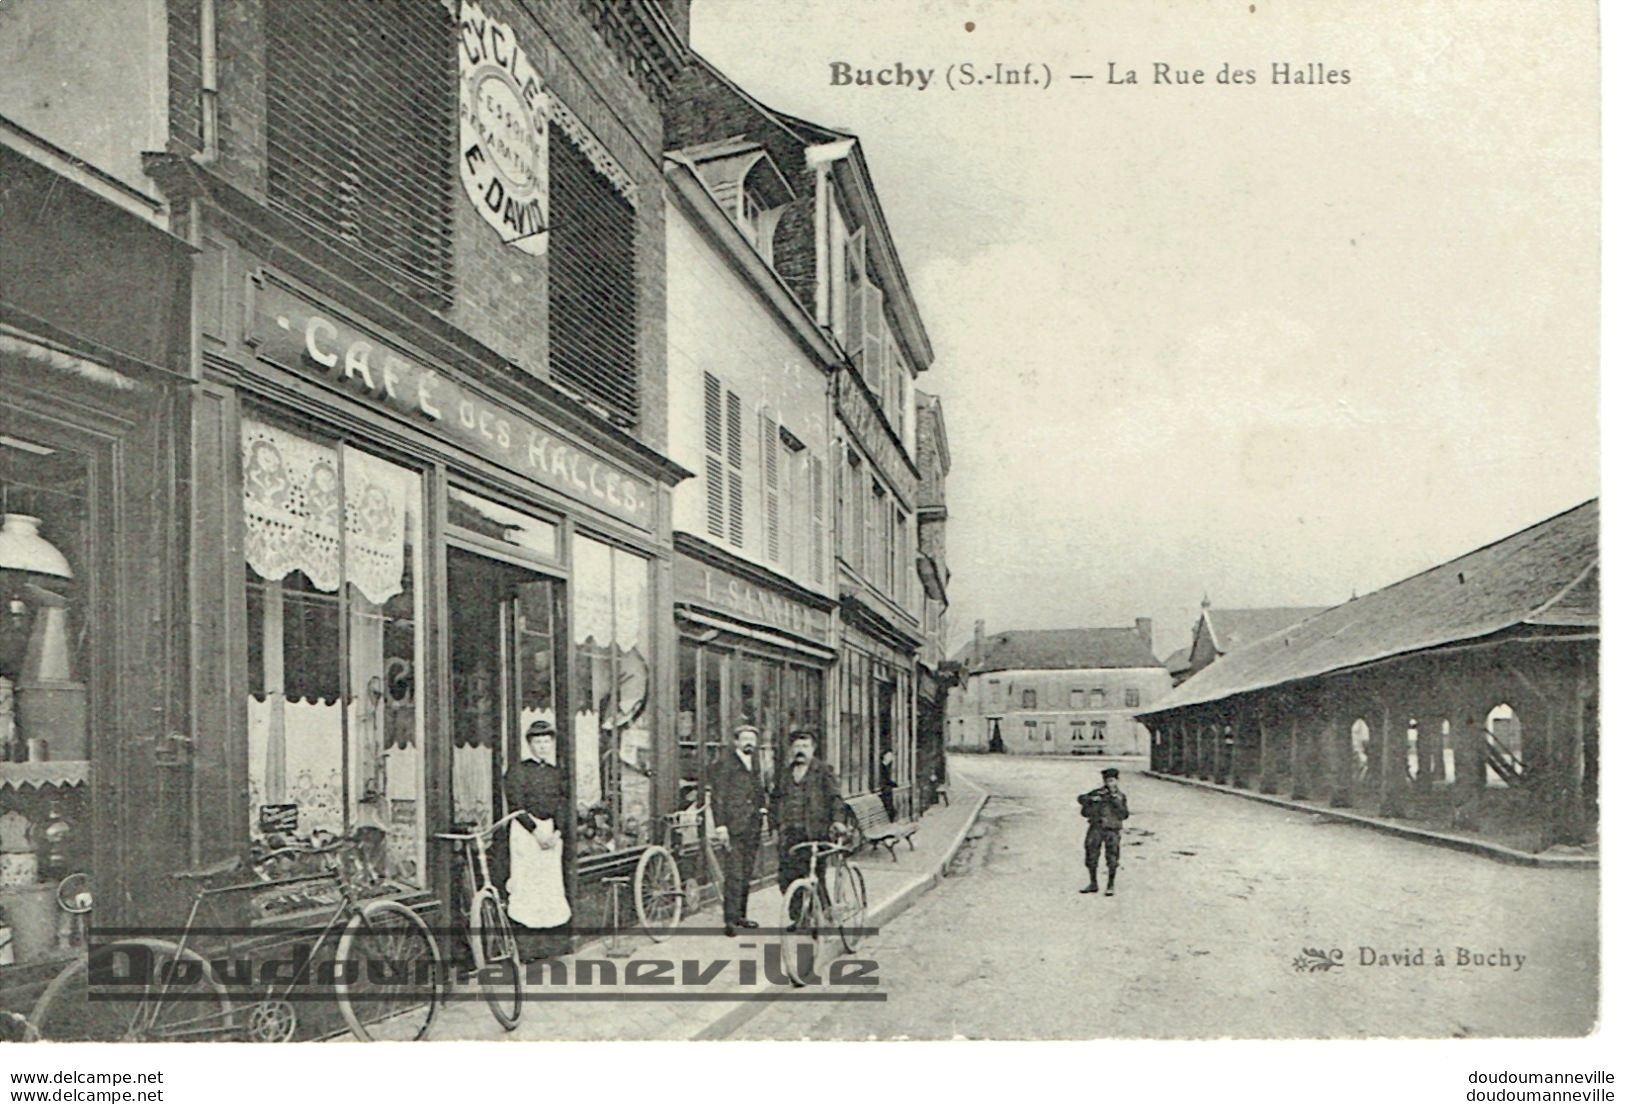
(1179, 665)
(1056, 691)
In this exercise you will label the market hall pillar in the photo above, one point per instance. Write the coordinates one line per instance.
(1391, 800)
(1268, 753)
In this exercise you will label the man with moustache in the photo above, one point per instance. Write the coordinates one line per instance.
(806, 805)
(734, 821)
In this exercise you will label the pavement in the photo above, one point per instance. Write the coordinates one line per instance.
(701, 984)
(1233, 919)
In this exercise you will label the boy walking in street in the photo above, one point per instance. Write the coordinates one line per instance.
(1106, 808)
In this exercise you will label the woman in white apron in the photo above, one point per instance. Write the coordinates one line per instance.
(536, 900)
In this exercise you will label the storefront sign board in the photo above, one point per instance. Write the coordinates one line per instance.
(294, 333)
(701, 585)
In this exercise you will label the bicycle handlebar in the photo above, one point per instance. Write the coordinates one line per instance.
(478, 833)
(827, 846)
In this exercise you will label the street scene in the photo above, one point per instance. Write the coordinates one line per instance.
(557, 521)
(1201, 939)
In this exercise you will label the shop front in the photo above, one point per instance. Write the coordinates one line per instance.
(92, 323)
(878, 752)
(753, 648)
(417, 565)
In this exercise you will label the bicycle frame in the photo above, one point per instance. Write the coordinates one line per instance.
(476, 849)
(709, 865)
(344, 909)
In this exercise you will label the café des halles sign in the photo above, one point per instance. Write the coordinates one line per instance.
(502, 111)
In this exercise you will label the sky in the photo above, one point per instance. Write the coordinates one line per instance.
(1271, 344)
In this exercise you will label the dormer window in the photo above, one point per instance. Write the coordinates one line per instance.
(751, 209)
(745, 184)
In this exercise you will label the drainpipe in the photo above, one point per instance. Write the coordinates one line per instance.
(208, 65)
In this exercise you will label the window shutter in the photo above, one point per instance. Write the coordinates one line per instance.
(815, 493)
(874, 339)
(360, 122)
(736, 475)
(715, 492)
(857, 278)
(770, 487)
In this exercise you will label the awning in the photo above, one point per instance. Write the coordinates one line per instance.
(761, 636)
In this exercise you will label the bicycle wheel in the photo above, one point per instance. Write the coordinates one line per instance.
(657, 892)
(799, 923)
(500, 974)
(179, 1001)
(849, 902)
(388, 976)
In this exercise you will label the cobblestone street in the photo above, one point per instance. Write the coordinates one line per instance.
(1217, 898)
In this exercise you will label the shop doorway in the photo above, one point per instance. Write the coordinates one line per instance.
(507, 654)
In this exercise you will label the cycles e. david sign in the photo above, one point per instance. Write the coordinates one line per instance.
(502, 122)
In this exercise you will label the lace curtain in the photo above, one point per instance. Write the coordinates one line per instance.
(299, 515)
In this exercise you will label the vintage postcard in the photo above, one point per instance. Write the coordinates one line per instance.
(548, 520)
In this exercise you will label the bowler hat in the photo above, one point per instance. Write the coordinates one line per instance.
(1109, 772)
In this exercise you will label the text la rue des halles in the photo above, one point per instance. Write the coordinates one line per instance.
(901, 75)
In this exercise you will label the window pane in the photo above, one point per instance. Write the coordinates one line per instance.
(333, 538)
(47, 621)
(613, 759)
(498, 522)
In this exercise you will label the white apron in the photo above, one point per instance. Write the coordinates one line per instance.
(536, 876)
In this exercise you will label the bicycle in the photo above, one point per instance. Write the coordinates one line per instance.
(814, 905)
(167, 991)
(498, 971)
(661, 893)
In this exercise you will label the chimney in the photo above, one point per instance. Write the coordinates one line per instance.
(976, 643)
(1142, 625)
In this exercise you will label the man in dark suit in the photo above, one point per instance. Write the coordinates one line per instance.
(735, 814)
(806, 804)
(1107, 808)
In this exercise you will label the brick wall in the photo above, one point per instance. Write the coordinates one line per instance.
(499, 294)
(185, 76)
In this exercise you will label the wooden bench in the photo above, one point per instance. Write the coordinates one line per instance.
(876, 828)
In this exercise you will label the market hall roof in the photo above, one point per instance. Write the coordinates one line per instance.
(1233, 628)
(1543, 576)
(1060, 650)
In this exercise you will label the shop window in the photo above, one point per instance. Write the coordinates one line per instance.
(45, 683)
(592, 281)
(613, 750)
(333, 541)
(360, 125)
